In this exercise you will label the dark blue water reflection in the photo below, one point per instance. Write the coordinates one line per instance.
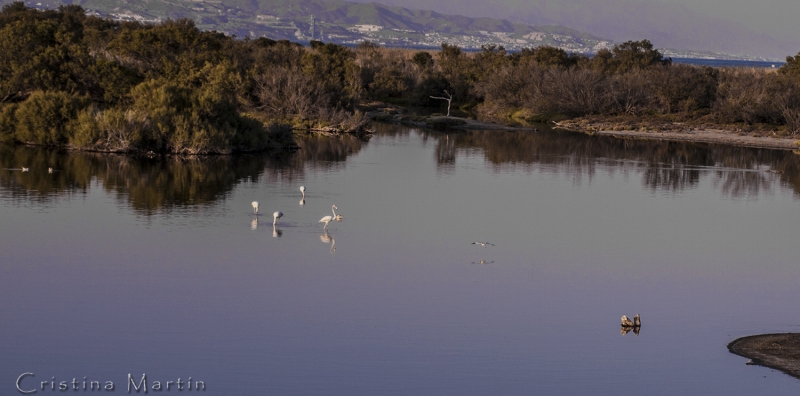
(114, 265)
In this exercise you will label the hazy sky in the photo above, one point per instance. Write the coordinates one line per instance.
(778, 18)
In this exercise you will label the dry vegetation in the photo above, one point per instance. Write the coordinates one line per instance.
(68, 79)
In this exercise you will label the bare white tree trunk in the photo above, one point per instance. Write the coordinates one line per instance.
(449, 98)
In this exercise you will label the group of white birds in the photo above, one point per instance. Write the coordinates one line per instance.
(278, 214)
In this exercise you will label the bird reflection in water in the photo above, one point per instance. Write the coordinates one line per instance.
(254, 223)
(326, 238)
(303, 199)
(626, 330)
(484, 262)
(628, 325)
(276, 233)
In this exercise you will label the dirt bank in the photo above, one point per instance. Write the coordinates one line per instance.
(777, 351)
(683, 132)
(398, 116)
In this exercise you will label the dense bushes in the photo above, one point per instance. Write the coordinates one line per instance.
(68, 78)
(47, 117)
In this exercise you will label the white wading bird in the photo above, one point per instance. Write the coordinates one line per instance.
(326, 220)
(255, 207)
(275, 216)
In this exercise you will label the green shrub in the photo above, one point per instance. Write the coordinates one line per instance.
(43, 117)
(8, 123)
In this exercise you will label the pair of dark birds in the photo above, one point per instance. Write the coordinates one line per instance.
(637, 321)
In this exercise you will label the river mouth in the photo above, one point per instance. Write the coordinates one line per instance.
(116, 265)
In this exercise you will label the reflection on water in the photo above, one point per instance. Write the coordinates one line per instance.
(625, 330)
(318, 152)
(153, 184)
(585, 228)
(327, 238)
(147, 184)
(665, 166)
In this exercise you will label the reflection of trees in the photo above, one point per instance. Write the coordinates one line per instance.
(154, 184)
(73, 175)
(669, 166)
(149, 185)
(316, 151)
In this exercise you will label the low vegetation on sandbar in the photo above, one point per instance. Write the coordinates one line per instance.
(72, 80)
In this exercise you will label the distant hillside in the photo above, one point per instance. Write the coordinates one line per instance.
(341, 22)
(538, 23)
(666, 25)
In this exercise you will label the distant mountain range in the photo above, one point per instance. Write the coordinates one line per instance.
(666, 24)
(350, 23)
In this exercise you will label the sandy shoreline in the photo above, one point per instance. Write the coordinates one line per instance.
(685, 133)
(709, 136)
(777, 351)
(664, 131)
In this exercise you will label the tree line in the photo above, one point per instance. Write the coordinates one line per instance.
(69, 79)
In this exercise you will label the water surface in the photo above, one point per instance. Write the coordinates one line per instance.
(114, 265)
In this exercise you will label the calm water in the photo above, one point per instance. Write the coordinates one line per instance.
(113, 265)
(729, 62)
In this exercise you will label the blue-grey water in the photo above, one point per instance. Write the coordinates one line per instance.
(729, 62)
(114, 265)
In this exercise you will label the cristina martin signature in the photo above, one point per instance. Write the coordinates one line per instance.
(27, 384)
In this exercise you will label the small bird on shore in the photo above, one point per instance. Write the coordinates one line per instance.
(255, 207)
(275, 216)
(637, 321)
(484, 244)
